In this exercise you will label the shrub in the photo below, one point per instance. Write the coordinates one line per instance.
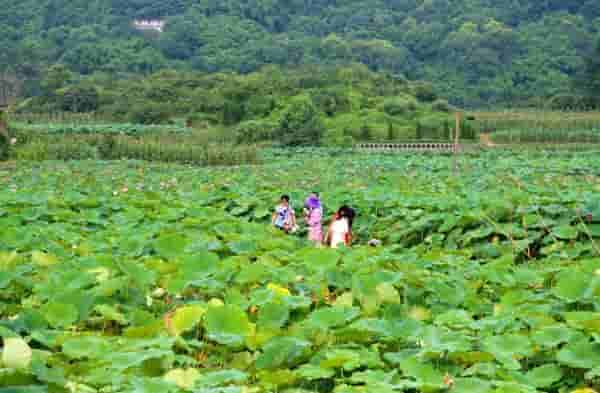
(79, 99)
(398, 106)
(259, 105)
(300, 124)
(424, 92)
(149, 114)
(331, 101)
(253, 131)
(233, 112)
(365, 133)
(440, 105)
(568, 102)
(432, 128)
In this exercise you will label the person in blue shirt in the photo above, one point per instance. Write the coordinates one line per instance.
(284, 217)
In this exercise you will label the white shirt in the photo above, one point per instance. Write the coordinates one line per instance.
(339, 229)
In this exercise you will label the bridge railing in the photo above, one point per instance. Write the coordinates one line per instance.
(407, 146)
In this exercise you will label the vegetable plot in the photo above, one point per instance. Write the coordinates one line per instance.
(114, 128)
(130, 277)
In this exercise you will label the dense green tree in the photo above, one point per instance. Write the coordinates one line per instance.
(55, 78)
(591, 74)
(300, 124)
(477, 52)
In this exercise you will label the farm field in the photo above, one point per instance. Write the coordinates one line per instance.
(134, 277)
(539, 126)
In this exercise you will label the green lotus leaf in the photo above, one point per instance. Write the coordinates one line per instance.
(471, 385)
(283, 352)
(59, 314)
(227, 325)
(86, 347)
(110, 313)
(508, 349)
(186, 318)
(243, 247)
(331, 317)
(183, 378)
(121, 361)
(572, 285)
(312, 372)
(338, 358)
(222, 377)
(43, 259)
(544, 376)
(152, 385)
(171, 246)
(552, 336)
(565, 232)
(580, 354)
(584, 320)
(273, 315)
(422, 372)
(26, 389)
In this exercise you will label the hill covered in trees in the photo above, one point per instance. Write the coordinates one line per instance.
(475, 52)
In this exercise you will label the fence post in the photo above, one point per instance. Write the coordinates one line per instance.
(457, 131)
(456, 141)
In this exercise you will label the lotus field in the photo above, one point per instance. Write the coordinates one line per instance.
(140, 278)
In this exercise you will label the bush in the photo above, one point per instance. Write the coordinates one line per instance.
(259, 105)
(79, 99)
(565, 102)
(331, 101)
(149, 114)
(424, 92)
(432, 128)
(253, 131)
(365, 133)
(399, 106)
(440, 105)
(300, 124)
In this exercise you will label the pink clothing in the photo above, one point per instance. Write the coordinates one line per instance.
(313, 220)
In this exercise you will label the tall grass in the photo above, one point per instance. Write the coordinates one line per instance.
(536, 126)
(545, 135)
(109, 147)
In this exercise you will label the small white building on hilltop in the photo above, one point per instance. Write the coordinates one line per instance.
(149, 24)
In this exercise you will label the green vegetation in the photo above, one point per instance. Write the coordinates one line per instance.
(188, 150)
(133, 277)
(4, 138)
(110, 128)
(303, 106)
(538, 126)
(478, 52)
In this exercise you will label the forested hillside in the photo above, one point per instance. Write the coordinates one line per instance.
(476, 52)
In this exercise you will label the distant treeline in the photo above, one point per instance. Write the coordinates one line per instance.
(475, 52)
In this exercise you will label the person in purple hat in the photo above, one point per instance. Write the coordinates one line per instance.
(313, 214)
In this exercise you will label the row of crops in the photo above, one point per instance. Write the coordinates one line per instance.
(109, 128)
(543, 135)
(132, 277)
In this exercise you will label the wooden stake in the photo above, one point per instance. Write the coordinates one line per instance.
(456, 141)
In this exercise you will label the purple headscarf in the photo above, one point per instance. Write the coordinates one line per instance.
(312, 202)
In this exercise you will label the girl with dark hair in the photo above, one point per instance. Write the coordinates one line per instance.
(340, 229)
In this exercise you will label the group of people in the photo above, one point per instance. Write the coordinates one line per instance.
(338, 233)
